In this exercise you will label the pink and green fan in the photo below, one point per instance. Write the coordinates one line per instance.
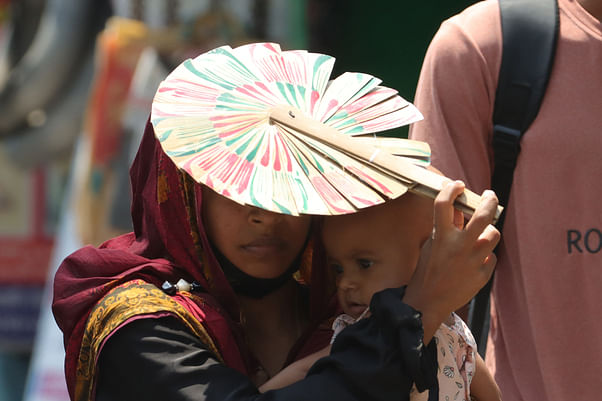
(268, 128)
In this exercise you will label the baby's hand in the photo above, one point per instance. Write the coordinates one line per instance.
(457, 261)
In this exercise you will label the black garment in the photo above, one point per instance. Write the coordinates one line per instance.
(377, 358)
(251, 286)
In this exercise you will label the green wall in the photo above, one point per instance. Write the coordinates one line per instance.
(387, 38)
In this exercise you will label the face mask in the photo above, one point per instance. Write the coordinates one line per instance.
(254, 287)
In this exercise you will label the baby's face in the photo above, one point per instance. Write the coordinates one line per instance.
(376, 248)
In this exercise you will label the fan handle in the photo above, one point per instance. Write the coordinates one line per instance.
(424, 182)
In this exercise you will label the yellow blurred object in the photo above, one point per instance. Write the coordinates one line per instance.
(126, 30)
(118, 49)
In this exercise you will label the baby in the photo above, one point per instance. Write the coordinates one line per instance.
(379, 248)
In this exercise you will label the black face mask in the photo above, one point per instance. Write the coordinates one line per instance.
(254, 287)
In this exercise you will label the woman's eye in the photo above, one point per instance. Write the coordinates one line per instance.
(338, 269)
(364, 263)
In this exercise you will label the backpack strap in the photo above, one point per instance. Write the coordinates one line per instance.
(529, 32)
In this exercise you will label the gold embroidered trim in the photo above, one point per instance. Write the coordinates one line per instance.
(131, 299)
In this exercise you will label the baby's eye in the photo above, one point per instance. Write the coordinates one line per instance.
(365, 263)
(338, 269)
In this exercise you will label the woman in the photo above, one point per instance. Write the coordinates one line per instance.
(132, 331)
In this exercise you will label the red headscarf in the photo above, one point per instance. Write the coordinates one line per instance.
(168, 243)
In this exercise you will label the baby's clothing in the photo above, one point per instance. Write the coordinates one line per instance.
(344, 320)
(456, 359)
(455, 356)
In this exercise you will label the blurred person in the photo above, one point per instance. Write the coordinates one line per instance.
(545, 297)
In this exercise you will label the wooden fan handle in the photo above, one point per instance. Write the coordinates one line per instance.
(426, 182)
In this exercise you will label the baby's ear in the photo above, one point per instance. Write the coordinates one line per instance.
(420, 212)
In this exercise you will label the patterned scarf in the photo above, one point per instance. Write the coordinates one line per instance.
(168, 243)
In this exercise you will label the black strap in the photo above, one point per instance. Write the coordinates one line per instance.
(530, 32)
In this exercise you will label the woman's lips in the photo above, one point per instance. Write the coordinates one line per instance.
(264, 246)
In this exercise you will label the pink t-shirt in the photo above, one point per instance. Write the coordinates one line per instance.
(544, 340)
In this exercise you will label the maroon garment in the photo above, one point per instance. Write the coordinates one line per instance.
(168, 243)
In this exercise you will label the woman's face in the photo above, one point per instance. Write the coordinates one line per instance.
(260, 243)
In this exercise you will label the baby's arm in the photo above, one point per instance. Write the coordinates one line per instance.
(483, 387)
(293, 372)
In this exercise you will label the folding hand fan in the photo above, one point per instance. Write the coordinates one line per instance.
(266, 127)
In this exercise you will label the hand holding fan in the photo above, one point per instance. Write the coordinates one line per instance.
(266, 127)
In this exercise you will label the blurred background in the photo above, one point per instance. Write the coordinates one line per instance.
(77, 79)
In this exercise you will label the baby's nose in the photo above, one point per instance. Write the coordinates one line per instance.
(347, 281)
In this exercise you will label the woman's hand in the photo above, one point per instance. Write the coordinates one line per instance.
(456, 262)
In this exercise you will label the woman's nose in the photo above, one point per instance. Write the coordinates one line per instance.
(260, 216)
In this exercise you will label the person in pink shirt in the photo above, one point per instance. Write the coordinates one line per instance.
(546, 298)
